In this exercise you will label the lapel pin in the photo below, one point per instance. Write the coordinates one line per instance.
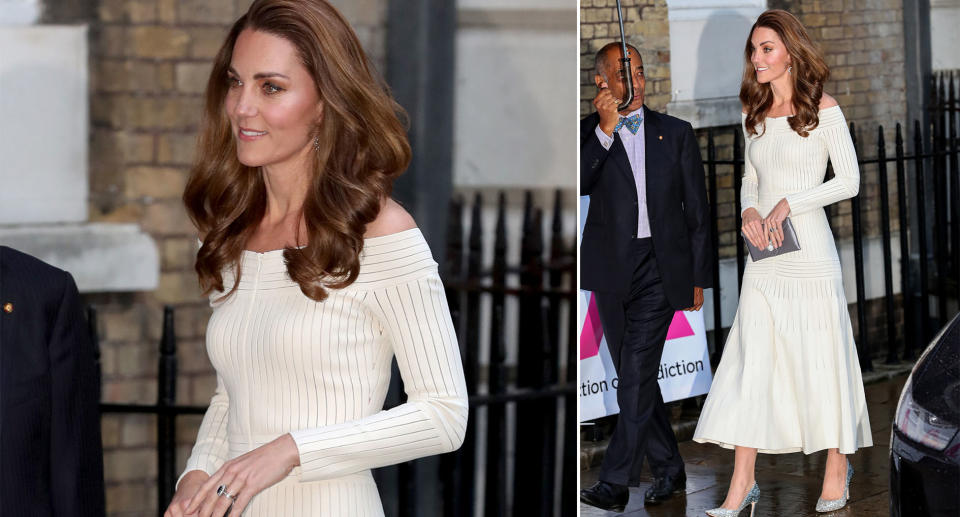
(8, 307)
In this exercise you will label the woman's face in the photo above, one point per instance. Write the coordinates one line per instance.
(272, 101)
(770, 58)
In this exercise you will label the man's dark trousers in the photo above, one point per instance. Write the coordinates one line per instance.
(635, 326)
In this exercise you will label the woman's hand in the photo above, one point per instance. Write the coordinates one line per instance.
(753, 228)
(773, 223)
(244, 477)
(188, 487)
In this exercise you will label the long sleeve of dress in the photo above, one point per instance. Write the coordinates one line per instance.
(749, 188)
(846, 180)
(434, 418)
(211, 448)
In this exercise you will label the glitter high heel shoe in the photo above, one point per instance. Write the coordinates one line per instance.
(751, 498)
(836, 504)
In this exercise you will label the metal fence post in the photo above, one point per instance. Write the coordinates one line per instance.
(954, 188)
(887, 257)
(941, 236)
(94, 333)
(906, 286)
(863, 345)
(495, 496)
(715, 236)
(922, 227)
(739, 163)
(450, 464)
(166, 419)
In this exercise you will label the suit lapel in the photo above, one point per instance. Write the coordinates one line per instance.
(620, 157)
(653, 154)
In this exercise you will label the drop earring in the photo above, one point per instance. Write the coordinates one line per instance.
(789, 69)
(316, 143)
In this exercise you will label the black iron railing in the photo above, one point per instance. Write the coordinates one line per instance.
(536, 394)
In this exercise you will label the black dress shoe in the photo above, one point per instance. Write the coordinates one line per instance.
(606, 496)
(663, 488)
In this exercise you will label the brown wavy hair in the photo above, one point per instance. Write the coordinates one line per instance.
(808, 74)
(363, 148)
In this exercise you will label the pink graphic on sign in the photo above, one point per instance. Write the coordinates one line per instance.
(679, 327)
(592, 332)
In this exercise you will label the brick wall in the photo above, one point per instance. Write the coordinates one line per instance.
(646, 28)
(862, 41)
(149, 62)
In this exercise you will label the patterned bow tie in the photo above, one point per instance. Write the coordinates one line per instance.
(632, 123)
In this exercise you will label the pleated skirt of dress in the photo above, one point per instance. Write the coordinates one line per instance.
(355, 495)
(789, 378)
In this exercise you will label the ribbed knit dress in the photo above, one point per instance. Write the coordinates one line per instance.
(320, 371)
(789, 378)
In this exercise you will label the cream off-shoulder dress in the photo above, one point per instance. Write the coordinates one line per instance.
(320, 371)
(789, 378)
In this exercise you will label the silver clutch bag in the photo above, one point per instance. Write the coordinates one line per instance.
(790, 244)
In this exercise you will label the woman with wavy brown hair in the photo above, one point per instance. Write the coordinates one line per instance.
(316, 277)
(789, 379)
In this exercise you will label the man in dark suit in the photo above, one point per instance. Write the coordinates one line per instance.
(645, 253)
(51, 457)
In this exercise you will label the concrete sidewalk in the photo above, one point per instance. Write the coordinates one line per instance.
(789, 483)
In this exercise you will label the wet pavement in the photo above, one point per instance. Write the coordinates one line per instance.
(789, 483)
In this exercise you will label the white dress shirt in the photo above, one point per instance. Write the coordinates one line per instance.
(636, 152)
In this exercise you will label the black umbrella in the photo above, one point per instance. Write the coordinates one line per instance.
(625, 61)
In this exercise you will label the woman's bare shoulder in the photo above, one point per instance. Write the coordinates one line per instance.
(392, 218)
(826, 101)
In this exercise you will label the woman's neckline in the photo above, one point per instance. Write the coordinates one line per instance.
(367, 241)
(788, 116)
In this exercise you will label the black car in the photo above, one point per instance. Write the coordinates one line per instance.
(924, 442)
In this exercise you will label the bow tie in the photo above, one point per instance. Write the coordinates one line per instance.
(632, 123)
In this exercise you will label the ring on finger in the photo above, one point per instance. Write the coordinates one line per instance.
(222, 492)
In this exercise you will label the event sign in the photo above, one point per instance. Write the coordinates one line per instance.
(684, 369)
